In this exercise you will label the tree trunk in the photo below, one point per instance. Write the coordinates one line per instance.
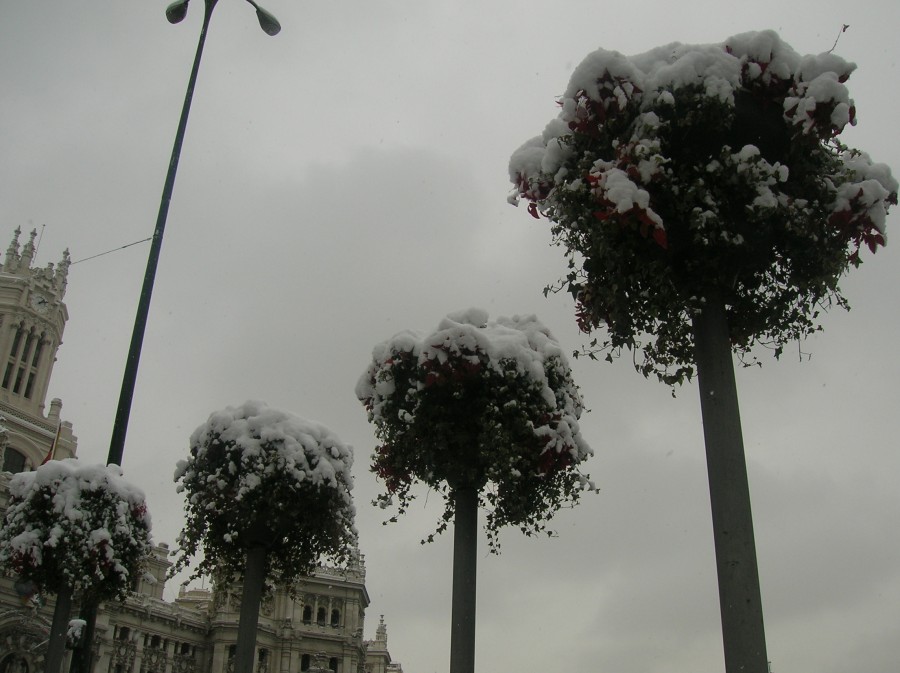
(465, 543)
(56, 646)
(743, 633)
(251, 597)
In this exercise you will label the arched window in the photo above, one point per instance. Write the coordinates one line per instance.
(304, 662)
(307, 613)
(335, 617)
(123, 633)
(13, 664)
(320, 617)
(13, 460)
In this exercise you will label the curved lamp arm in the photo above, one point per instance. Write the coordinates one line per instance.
(176, 12)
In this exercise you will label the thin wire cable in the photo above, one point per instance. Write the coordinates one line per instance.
(144, 240)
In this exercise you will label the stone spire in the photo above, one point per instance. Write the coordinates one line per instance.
(12, 252)
(381, 632)
(28, 252)
(62, 273)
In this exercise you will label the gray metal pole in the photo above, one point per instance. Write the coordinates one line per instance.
(123, 410)
(56, 646)
(251, 597)
(743, 632)
(465, 561)
(81, 661)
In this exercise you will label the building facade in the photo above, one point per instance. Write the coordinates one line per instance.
(318, 627)
(32, 319)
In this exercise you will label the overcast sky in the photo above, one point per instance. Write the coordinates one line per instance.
(348, 179)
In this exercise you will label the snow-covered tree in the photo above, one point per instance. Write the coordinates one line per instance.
(487, 404)
(75, 525)
(483, 412)
(260, 475)
(706, 205)
(267, 496)
(74, 529)
(689, 170)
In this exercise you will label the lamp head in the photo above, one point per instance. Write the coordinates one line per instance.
(176, 12)
(267, 22)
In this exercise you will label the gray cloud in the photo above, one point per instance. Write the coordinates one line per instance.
(346, 180)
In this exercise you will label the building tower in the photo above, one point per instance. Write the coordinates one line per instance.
(32, 319)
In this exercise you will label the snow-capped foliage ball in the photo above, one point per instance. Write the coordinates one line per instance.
(704, 170)
(75, 525)
(260, 476)
(489, 404)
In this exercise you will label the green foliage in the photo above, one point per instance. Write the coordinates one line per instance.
(452, 415)
(257, 476)
(77, 526)
(663, 196)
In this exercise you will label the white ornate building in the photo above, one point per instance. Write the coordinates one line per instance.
(321, 629)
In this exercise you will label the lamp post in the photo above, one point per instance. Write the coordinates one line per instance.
(81, 660)
(174, 13)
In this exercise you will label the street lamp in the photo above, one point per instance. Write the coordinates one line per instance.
(174, 13)
(81, 661)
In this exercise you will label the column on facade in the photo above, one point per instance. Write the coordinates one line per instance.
(7, 357)
(286, 657)
(103, 654)
(169, 664)
(138, 651)
(352, 611)
(287, 640)
(23, 371)
(219, 658)
(44, 367)
(348, 663)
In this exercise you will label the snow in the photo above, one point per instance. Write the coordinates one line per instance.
(521, 342)
(624, 194)
(780, 59)
(68, 479)
(304, 449)
(584, 78)
(869, 191)
(76, 626)
(827, 89)
(64, 492)
(622, 181)
(653, 150)
(254, 471)
(648, 79)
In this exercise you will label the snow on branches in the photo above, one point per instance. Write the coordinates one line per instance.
(692, 168)
(78, 526)
(489, 404)
(260, 476)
